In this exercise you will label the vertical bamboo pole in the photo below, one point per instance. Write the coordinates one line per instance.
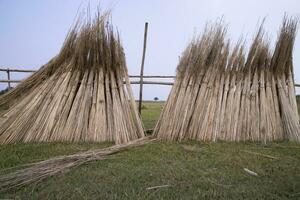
(142, 68)
(8, 78)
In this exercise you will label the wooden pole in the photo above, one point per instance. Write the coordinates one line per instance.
(8, 78)
(8, 70)
(142, 68)
(10, 81)
(151, 83)
(151, 76)
(17, 70)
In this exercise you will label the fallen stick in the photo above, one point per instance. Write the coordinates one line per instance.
(218, 184)
(38, 171)
(156, 187)
(250, 172)
(260, 154)
(287, 147)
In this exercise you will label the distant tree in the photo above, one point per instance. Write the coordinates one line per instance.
(156, 98)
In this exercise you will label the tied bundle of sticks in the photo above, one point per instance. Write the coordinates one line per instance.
(79, 95)
(41, 170)
(220, 93)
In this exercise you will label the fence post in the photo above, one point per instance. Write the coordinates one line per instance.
(8, 78)
(142, 69)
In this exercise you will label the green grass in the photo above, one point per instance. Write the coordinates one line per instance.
(17, 154)
(193, 170)
(150, 113)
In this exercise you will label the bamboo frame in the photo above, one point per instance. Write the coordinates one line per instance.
(142, 68)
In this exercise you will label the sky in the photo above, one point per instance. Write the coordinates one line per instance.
(32, 31)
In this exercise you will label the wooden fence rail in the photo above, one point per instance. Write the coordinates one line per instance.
(131, 82)
(32, 71)
(17, 70)
(9, 81)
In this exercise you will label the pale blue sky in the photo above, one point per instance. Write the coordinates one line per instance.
(32, 31)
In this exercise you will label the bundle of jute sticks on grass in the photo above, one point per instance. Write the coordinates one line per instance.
(222, 93)
(35, 172)
(79, 95)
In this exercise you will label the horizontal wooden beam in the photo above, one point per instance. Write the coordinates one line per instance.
(130, 76)
(17, 70)
(150, 76)
(132, 82)
(152, 82)
(10, 81)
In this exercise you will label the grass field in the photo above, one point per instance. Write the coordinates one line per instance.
(189, 170)
(150, 113)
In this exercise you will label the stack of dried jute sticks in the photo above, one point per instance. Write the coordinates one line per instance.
(223, 93)
(79, 95)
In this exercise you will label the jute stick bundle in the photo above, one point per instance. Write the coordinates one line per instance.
(78, 96)
(41, 170)
(224, 94)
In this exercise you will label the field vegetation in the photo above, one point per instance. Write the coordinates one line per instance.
(164, 170)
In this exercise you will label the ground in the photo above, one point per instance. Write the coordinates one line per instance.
(150, 113)
(188, 170)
